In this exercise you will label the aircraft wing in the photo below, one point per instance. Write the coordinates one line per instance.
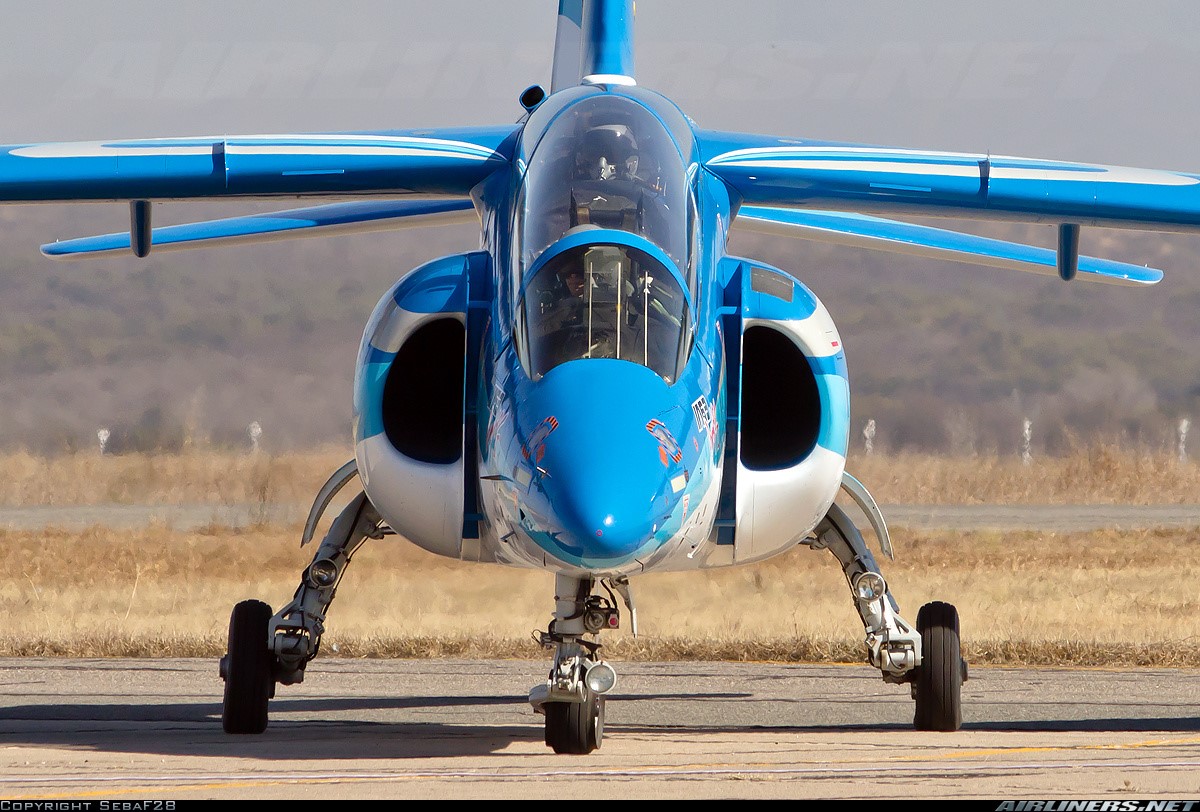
(440, 162)
(775, 172)
(863, 231)
(331, 219)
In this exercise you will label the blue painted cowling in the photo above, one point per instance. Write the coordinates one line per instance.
(792, 409)
(411, 432)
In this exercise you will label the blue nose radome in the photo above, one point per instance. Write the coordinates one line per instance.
(606, 480)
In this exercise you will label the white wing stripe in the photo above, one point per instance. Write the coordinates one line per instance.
(816, 158)
(395, 146)
(899, 168)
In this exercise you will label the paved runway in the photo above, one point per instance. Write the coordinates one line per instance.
(150, 729)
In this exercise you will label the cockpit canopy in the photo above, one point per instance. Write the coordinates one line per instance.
(605, 300)
(603, 159)
(604, 231)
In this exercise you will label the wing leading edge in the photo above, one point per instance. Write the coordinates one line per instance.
(444, 162)
(863, 231)
(332, 219)
(787, 173)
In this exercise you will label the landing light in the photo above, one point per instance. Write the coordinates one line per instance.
(322, 573)
(600, 678)
(869, 586)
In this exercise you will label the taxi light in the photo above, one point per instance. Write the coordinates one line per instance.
(600, 678)
(323, 573)
(869, 586)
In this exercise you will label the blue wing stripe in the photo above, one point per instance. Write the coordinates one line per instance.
(317, 221)
(905, 238)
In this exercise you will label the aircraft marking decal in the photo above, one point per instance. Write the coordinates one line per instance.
(668, 445)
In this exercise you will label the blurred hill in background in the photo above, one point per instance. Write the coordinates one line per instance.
(190, 348)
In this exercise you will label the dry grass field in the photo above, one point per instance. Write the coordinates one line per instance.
(191, 477)
(1101, 474)
(1094, 598)
(1102, 598)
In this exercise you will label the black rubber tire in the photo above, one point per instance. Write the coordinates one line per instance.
(249, 679)
(575, 728)
(940, 677)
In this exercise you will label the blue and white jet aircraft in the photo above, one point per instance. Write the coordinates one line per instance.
(600, 390)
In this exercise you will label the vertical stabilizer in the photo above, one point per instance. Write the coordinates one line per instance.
(593, 44)
(568, 46)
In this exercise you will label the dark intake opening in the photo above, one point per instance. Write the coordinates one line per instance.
(781, 406)
(423, 394)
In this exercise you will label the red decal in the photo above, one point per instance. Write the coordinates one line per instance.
(667, 442)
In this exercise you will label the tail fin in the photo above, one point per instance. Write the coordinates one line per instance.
(593, 44)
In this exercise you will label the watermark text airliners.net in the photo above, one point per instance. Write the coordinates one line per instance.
(1098, 806)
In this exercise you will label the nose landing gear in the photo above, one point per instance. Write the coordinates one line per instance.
(572, 698)
(574, 726)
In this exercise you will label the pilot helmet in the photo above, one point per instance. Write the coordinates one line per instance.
(608, 150)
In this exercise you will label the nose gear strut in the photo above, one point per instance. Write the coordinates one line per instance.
(572, 698)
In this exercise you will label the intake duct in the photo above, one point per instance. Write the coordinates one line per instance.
(423, 393)
(781, 405)
(788, 375)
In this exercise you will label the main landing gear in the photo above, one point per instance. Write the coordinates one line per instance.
(266, 649)
(572, 698)
(927, 657)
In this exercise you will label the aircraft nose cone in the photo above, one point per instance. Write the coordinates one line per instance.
(606, 481)
(604, 503)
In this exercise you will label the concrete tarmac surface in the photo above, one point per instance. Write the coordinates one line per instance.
(365, 729)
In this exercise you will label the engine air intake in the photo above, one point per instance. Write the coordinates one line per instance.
(781, 406)
(423, 395)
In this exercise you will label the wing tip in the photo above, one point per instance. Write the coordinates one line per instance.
(61, 250)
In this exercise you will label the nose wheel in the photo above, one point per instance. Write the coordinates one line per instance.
(575, 728)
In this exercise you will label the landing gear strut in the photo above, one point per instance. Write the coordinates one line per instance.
(572, 698)
(927, 657)
(266, 649)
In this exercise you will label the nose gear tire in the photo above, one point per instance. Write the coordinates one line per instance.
(575, 727)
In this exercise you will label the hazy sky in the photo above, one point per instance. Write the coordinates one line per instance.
(1105, 81)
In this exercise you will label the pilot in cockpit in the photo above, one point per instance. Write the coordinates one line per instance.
(607, 190)
(608, 151)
